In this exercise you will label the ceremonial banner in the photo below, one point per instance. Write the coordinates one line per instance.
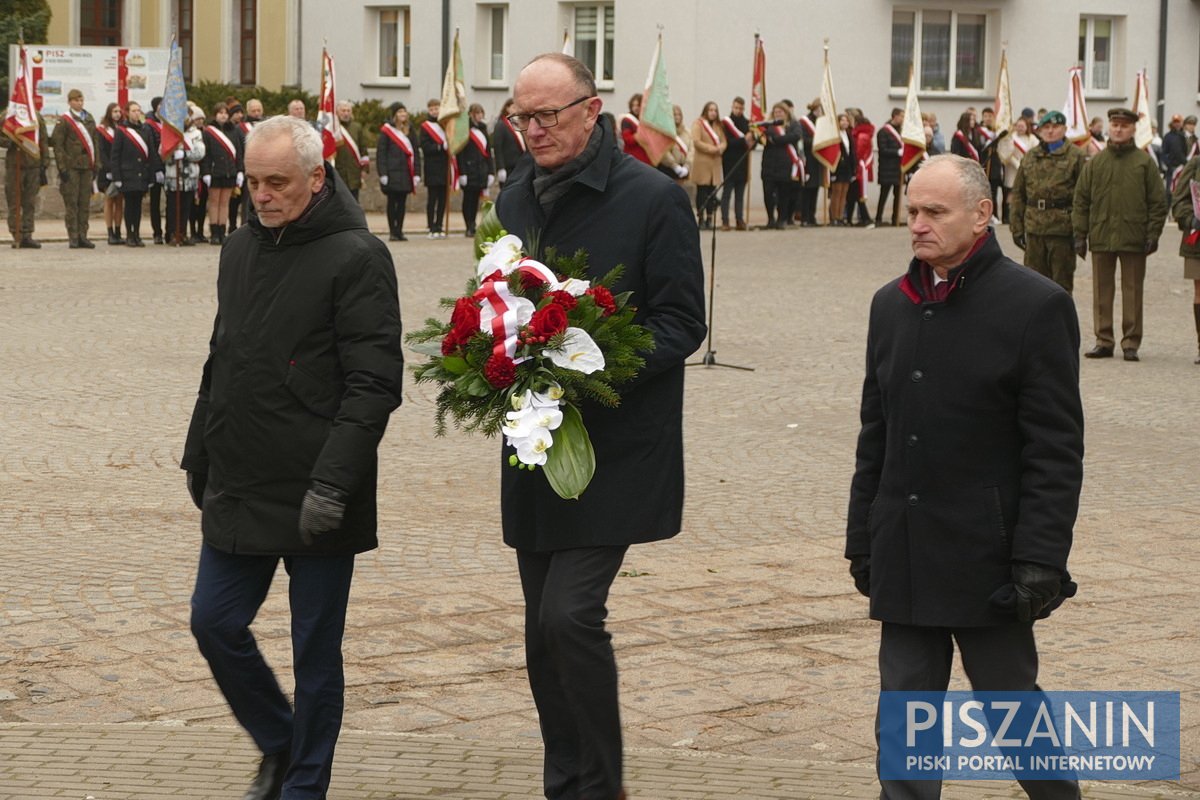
(173, 110)
(454, 103)
(1075, 109)
(1143, 135)
(912, 132)
(327, 120)
(1003, 107)
(568, 47)
(20, 119)
(827, 139)
(656, 133)
(758, 89)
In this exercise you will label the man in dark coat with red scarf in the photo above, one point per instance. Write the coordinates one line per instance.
(970, 457)
(578, 191)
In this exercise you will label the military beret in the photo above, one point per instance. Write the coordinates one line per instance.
(1122, 113)
(1189, 120)
(1053, 118)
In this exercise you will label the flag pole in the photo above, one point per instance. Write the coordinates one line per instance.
(17, 152)
(827, 179)
(749, 153)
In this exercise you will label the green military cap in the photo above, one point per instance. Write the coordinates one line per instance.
(1122, 113)
(1053, 118)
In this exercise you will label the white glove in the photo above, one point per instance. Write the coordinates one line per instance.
(179, 155)
(680, 171)
(416, 182)
(383, 180)
(207, 180)
(158, 177)
(502, 175)
(491, 180)
(462, 181)
(108, 176)
(241, 178)
(117, 184)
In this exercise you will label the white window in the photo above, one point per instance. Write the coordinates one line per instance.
(1096, 51)
(593, 27)
(394, 41)
(947, 49)
(492, 44)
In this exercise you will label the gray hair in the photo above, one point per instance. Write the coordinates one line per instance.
(971, 177)
(580, 74)
(305, 140)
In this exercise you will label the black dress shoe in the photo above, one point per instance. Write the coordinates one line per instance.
(1099, 352)
(86, 245)
(73, 245)
(158, 239)
(29, 243)
(1130, 354)
(268, 784)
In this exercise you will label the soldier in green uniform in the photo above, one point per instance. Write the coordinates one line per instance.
(1183, 209)
(351, 160)
(74, 143)
(1040, 211)
(33, 173)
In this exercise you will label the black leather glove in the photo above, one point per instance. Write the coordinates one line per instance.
(43, 179)
(321, 511)
(860, 570)
(1081, 247)
(1035, 591)
(196, 481)
(1019, 240)
(1151, 246)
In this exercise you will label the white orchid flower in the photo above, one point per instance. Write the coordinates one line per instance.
(502, 254)
(578, 352)
(532, 449)
(551, 397)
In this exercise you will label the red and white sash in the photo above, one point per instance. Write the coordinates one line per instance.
(435, 131)
(400, 140)
(352, 146)
(716, 140)
(631, 120)
(895, 134)
(479, 139)
(683, 148)
(1195, 151)
(1020, 146)
(732, 129)
(107, 133)
(987, 135)
(244, 127)
(865, 167)
(223, 140)
(798, 172)
(516, 134)
(153, 123)
(971, 151)
(137, 140)
(84, 138)
(808, 126)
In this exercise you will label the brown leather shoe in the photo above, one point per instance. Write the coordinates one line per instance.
(1099, 352)
(741, 226)
(1130, 354)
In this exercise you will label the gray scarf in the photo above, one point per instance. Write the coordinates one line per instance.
(549, 186)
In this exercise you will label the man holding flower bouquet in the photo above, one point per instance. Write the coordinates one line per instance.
(578, 192)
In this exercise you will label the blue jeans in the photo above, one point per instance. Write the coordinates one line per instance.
(229, 591)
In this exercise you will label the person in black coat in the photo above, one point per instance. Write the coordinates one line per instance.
(221, 170)
(891, 147)
(435, 161)
(735, 163)
(475, 174)
(304, 368)
(134, 150)
(780, 164)
(159, 169)
(970, 457)
(579, 192)
(398, 160)
(508, 145)
(814, 173)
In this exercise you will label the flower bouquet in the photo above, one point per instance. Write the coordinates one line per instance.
(525, 347)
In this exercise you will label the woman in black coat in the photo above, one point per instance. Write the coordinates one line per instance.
(398, 160)
(779, 165)
(434, 161)
(966, 141)
(221, 170)
(114, 201)
(843, 177)
(474, 168)
(133, 149)
(507, 144)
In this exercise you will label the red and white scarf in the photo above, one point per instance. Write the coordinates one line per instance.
(516, 134)
(107, 133)
(683, 148)
(962, 138)
(137, 140)
(808, 126)
(84, 138)
(435, 131)
(712, 134)
(1019, 146)
(731, 128)
(798, 173)
(400, 140)
(352, 146)
(895, 134)
(479, 139)
(223, 140)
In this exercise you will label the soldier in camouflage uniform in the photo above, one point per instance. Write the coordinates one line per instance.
(1041, 202)
(74, 146)
(33, 177)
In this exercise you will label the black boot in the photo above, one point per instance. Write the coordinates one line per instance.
(268, 784)
(114, 235)
(1196, 311)
(133, 238)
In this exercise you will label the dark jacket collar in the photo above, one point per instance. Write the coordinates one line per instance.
(331, 210)
(916, 283)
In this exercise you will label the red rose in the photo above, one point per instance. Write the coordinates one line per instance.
(604, 299)
(548, 321)
(465, 317)
(564, 299)
(531, 280)
(500, 371)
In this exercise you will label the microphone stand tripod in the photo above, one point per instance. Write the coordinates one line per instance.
(710, 205)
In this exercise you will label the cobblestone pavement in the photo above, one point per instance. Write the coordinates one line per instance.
(747, 662)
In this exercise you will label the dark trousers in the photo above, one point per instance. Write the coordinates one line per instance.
(808, 204)
(883, 195)
(435, 206)
(572, 671)
(395, 212)
(705, 202)
(735, 187)
(235, 202)
(133, 213)
(200, 211)
(156, 208)
(470, 205)
(229, 591)
(1002, 658)
(777, 197)
(179, 210)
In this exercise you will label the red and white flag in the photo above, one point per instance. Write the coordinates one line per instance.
(827, 139)
(1075, 109)
(327, 120)
(20, 120)
(1143, 135)
(758, 90)
(912, 132)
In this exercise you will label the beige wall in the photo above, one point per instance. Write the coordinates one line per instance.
(60, 23)
(275, 33)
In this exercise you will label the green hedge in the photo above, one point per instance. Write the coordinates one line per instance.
(30, 17)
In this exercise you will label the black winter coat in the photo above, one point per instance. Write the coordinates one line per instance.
(620, 211)
(736, 147)
(392, 161)
(218, 162)
(128, 164)
(433, 158)
(474, 163)
(814, 170)
(970, 455)
(304, 367)
(506, 150)
(776, 160)
(887, 162)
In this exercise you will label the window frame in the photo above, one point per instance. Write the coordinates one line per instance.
(95, 35)
(1088, 64)
(604, 12)
(247, 64)
(404, 26)
(184, 34)
(915, 57)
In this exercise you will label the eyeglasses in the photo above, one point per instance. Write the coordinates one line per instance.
(547, 118)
